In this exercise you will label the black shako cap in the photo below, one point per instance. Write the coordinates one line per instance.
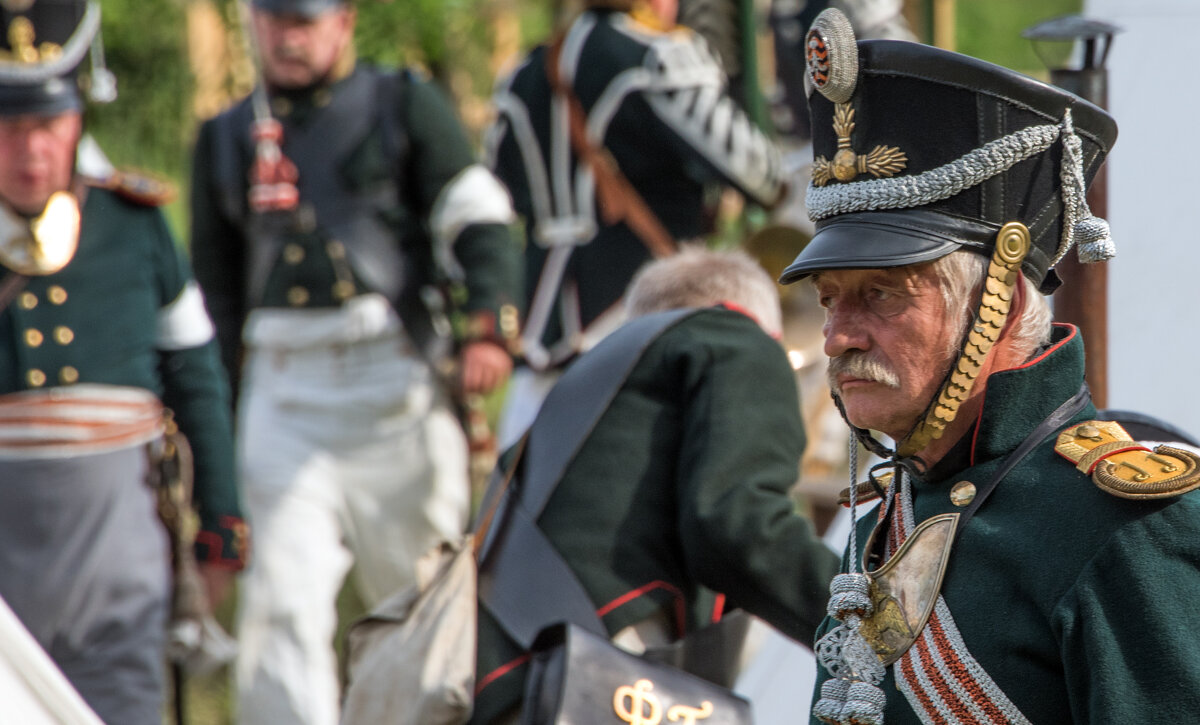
(52, 37)
(303, 8)
(935, 106)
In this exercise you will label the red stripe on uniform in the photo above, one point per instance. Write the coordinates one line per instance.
(680, 607)
(907, 672)
(961, 674)
(499, 672)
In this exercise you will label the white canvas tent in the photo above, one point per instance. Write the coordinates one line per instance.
(1153, 191)
(32, 690)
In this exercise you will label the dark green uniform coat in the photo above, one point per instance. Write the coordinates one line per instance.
(105, 318)
(681, 491)
(1080, 605)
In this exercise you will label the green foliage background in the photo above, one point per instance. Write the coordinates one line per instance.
(145, 46)
(151, 124)
(991, 30)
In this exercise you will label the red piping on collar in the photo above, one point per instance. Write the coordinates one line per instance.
(735, 307)
(1072, 331)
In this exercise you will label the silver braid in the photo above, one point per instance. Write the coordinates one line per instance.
(899, 192)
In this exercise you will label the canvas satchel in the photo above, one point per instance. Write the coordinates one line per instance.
(411, 661)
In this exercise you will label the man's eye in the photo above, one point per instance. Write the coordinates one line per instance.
(880, 294)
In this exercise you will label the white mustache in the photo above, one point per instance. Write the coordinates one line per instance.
(857, 364)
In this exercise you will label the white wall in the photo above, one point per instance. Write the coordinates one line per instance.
(1154, 207)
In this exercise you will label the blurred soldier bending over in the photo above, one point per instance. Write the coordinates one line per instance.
(1028, 563)
(322, 270)
(651, 98)
(101, 327)
(680, 491)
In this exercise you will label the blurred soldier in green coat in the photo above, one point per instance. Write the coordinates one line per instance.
(655, 102)
(102, 328)
(331, 209)
(675, 509)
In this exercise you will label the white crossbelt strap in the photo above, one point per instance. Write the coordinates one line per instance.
(931, 673)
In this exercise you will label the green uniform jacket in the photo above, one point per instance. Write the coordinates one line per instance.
(108, 317)
(381, 159)
(1080, 605)
(681, 491)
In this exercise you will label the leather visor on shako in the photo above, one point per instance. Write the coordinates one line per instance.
(43, 43)
(920, 151)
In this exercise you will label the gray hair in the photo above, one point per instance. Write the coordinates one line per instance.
(701, 277)
(961, 275)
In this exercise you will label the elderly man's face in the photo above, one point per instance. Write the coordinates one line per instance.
(889, 340)
(37, 158)
(298, 51)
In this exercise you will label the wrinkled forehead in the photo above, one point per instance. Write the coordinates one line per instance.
(912, 276)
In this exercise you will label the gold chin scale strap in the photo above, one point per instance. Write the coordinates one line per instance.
(1012, 244)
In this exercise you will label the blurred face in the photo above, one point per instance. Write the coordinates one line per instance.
(887, 337)
(298, 51)
(37, 158)
(666, 10)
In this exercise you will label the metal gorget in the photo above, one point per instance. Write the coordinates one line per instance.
(905, 588)
(42, 245)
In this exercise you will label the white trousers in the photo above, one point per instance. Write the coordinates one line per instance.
(347, 455)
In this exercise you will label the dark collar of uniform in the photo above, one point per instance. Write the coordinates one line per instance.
(1017, 400)
(296, 104)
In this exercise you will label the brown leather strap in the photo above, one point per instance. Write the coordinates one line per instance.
(619, 201)
(493, 503)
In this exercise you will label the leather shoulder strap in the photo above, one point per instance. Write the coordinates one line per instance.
(619, 200)
(517, 558)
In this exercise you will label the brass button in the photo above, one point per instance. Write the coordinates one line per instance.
(36, 378)
(281, 106)
(63, 335)
(963, 493)
(343, 290)
(293, 253)
(68, 375)
(322, 97)
(57, 295)
(297, 297)
(306, 218)
(336, 249)
(1090, 432)
(33, 338)
(28, 301)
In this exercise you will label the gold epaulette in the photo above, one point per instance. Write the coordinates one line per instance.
(139, 187)
(1123, 467)
(865, 491)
